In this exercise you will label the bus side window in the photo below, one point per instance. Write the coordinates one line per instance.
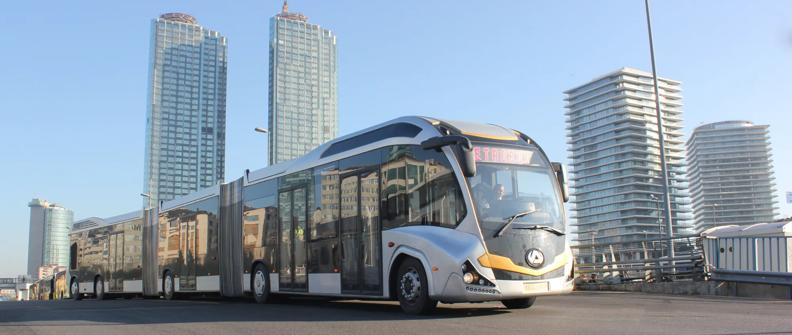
(419, 187)
(393, 200)
(73, 257)
(434, 193)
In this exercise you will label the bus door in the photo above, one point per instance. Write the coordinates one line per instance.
(187, 252)
(292, 210)
(116, 262)
(361, 256)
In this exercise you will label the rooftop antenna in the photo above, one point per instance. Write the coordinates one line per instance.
(285, 6)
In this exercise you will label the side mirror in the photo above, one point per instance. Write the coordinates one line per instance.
(462, 148)
(561, 175)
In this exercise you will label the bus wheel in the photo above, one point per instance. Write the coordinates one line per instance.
(99, 289)
(74, 290)
(167, 286)
(259, 284)
(413, 288)
(519, 303)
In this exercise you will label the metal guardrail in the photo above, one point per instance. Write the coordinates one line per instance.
(749, 259)
(641, 260)
(773, 278)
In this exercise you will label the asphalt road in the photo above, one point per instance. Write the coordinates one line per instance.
(578, 313)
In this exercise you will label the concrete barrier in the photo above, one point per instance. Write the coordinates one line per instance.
(704, 288)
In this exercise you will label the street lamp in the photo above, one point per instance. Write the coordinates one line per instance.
(593, 251)
(661, 138)
(147, 196)
(659, 219)
(263, 131)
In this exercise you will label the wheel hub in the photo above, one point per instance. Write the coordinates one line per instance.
(411, 285)
(259, 283)
(168, 285)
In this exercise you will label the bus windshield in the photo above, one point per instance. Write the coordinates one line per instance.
(515, 185)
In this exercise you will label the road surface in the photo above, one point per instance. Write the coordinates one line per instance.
(578, 313)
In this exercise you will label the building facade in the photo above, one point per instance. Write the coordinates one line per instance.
(48, 237)
(186, 116)
(303, 98)
(616, 180)
(731, 174)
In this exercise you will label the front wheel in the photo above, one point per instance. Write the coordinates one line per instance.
(167, 286)
(519, 303)
(413, 288)
(260, 284)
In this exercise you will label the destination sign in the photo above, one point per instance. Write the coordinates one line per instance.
(490, 154)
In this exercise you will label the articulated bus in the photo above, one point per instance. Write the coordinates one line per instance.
(418, 210)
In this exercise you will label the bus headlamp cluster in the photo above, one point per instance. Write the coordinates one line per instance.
(470, 276)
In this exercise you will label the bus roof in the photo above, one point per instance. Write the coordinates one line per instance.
(95, 222)
(426, 128)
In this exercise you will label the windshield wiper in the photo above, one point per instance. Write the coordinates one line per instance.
(543, 227)
(510, 220)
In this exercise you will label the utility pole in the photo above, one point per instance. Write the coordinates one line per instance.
(661, 138)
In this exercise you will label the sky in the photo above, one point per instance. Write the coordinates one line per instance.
(73, 79)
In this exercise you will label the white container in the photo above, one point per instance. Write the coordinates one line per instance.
(763, 247)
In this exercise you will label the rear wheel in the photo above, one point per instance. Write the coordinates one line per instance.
(167, 286)
(259, 284)
(519, 303)
(99, 288)
(74, 290)
(413, 288)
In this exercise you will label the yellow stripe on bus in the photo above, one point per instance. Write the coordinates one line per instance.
(505, 263)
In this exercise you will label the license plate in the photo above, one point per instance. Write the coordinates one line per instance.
(534, 287)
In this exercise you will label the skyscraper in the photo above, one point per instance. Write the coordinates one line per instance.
(48, 238)
(303, 99)
(731, 174)
(185, 120)
(615, 152)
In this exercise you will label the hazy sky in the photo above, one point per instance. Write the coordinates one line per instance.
(73, 79)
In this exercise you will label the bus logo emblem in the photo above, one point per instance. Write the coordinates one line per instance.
(534, 258)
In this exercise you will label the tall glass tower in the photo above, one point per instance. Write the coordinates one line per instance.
(48, 238)
(615, 151)
(731, 174)
(186, 116)
(303, 98)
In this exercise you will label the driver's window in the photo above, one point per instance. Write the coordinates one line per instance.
(503, 178)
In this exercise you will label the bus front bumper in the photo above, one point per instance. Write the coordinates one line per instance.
(456, 291)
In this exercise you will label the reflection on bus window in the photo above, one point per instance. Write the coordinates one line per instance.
(419, 187)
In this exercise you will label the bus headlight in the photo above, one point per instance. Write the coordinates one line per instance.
(470, 276)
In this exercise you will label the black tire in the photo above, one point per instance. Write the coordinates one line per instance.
(260, 284)
(74, 290)
(168, 286)
(99, 288)
(412, 288)
(519, 303)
